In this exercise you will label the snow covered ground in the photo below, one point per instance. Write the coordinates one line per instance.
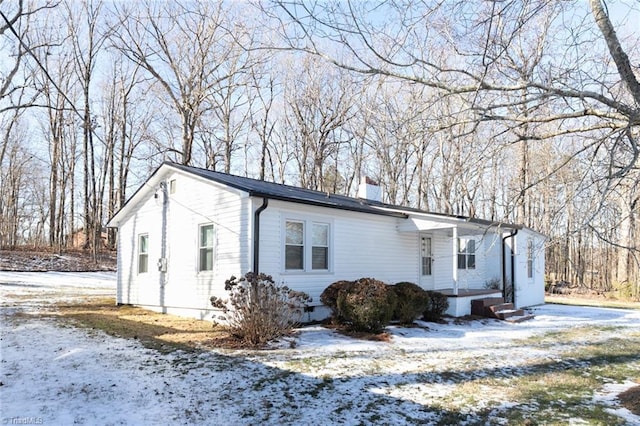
(53, 373)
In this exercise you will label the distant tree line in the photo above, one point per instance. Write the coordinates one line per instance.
(524, 111)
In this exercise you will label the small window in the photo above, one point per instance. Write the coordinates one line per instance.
(294, 245)
(466, 253)
(320, 246)
(172, 186)
(143, 253)
(425, 250)
(529, 258)
(205, 250)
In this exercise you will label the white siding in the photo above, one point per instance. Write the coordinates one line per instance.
(487, 262)
(362, 245)
(492, 245)
(487, 249)
(529, 291)
(186, 290)
(135, 288)
(442, 261)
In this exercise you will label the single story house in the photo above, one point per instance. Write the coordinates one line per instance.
(187, 230)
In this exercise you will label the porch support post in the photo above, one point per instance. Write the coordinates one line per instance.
(455, 260)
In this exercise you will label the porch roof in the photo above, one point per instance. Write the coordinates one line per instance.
(444, 224)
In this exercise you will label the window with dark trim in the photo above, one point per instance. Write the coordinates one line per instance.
(143, 253)
(205, 247)
(466, 253)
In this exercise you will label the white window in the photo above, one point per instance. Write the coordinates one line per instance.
(294, 246)
(143, 253)
(529, 258)
(466, 253)
(320, 246)
(205, 247)
(307, 245)
(425, 255)
(172, 186)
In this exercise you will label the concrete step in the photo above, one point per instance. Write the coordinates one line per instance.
(519, 318)
(508, 313)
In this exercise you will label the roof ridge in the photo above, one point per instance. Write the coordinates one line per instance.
(321, 198)
(285, 192)
(299, 188)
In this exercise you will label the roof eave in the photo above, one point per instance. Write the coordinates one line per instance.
(329, 206)
(115, 220)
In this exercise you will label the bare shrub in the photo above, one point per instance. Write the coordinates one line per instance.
(258, 310)
(493, 284)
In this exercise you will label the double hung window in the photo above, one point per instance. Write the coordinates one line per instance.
(205, 247)
(143, 253)
(307, 245)
(294, 246)
(466, 253)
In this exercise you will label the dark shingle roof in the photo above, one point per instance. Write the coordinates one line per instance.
(277, 191)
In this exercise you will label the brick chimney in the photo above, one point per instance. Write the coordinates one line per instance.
(369, 189)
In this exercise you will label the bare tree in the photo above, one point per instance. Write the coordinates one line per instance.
(319, 105)
(523, 73)
(185, 50)
(16, 96)
(483, 34)
(264, 87)
(126, 123)
(14, 202)
(87, 41)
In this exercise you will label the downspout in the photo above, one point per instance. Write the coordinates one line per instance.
(162, 262)
(256, 235)
(504, 268)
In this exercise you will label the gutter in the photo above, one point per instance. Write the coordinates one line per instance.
(256, 235)
(366, 208)
(504, 268)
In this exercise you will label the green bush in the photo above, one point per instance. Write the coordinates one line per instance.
(412, 302)
(438, 305)
(329, 297)
(367, 305)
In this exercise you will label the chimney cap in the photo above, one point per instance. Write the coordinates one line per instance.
(370, 181)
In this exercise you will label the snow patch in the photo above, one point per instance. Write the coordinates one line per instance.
(66, 375)
(609, 396)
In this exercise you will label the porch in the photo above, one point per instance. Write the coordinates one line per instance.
(460, 299)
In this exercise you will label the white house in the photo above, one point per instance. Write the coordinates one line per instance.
(187, 230)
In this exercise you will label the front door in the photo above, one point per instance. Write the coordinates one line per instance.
(426, 262)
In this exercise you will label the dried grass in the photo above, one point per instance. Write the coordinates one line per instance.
(163, 332)
(630, 399)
